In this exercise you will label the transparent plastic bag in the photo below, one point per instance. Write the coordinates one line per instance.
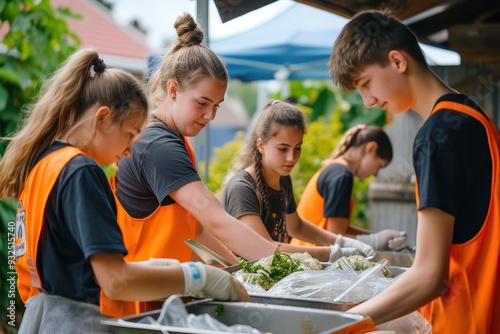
(251, 282)
(322, 285)
(413, 323)
(173, 313)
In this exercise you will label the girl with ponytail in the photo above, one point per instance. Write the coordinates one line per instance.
(69, 251)
(326, 200)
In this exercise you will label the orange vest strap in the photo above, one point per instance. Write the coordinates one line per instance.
(160, 235)
(30, 217)
(472, 295)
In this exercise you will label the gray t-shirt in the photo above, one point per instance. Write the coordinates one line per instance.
(159, 164)
(241, 198)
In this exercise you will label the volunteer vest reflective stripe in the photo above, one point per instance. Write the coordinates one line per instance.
(471, 303)
(311, 207)
(30, 217)
(160, 235)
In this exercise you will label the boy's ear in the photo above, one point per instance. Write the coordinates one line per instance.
(398, 60)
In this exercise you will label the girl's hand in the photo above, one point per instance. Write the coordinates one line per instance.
(214, 282)
(385, 239)
(364, 248)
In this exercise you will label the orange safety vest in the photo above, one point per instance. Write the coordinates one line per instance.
(160, 235)
(471, 303)
(311, 207)
(30, 217)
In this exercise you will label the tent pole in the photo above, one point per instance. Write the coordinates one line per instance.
(202, 142)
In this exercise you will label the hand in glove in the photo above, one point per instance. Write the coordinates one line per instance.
(337, 252)
(385, 239)
(346, 242)
(214, 282)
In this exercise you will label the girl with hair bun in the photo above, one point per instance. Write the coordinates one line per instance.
(326, 200)
(69, 251)
(160, 196)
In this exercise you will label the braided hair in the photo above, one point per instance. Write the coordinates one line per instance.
(274, 116)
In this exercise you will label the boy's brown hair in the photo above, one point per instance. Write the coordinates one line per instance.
(367, 40)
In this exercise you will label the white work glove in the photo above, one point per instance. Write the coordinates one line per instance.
(158, 262)
(385, 239)
(346, 242)
(337, 252)
(212, 281)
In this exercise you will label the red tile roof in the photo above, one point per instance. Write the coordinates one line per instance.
(119, 46)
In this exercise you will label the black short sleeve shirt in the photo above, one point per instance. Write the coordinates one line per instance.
(453, 167)
(335, 186)
(80, 221)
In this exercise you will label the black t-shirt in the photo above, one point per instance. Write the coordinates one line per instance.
(80, 221)
(241, 198)
(335, 186)
(159, 164)
(453, 167)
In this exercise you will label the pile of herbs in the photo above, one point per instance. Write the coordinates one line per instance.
(272, 269)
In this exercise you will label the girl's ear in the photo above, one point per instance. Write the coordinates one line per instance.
(102, 116)
(398, 60)
(260, 145)
(172, 88)
(371, 148)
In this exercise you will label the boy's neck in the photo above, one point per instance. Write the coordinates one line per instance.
(429, 88)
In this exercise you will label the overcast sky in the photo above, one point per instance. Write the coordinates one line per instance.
(158, 16)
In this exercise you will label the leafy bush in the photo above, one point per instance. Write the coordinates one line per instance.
(8, 210)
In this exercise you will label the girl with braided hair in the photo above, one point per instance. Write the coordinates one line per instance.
(326, 200)
(69, 251)
(259, 189)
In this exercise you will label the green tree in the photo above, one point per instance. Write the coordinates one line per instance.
(36, 39)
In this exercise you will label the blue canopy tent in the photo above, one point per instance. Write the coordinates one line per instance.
(295, 45)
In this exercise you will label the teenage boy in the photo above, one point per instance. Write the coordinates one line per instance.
(454, 278)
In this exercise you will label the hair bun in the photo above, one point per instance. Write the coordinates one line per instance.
(188, 31)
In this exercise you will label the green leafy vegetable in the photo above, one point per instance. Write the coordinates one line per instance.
(272, 269)
(219, 311)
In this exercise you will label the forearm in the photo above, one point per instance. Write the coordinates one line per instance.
(309, 232)
(239, 238)
(208, 239)
(236, 236)
(322, 253)
(354, 231)
(129, 281)
(400, 298)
